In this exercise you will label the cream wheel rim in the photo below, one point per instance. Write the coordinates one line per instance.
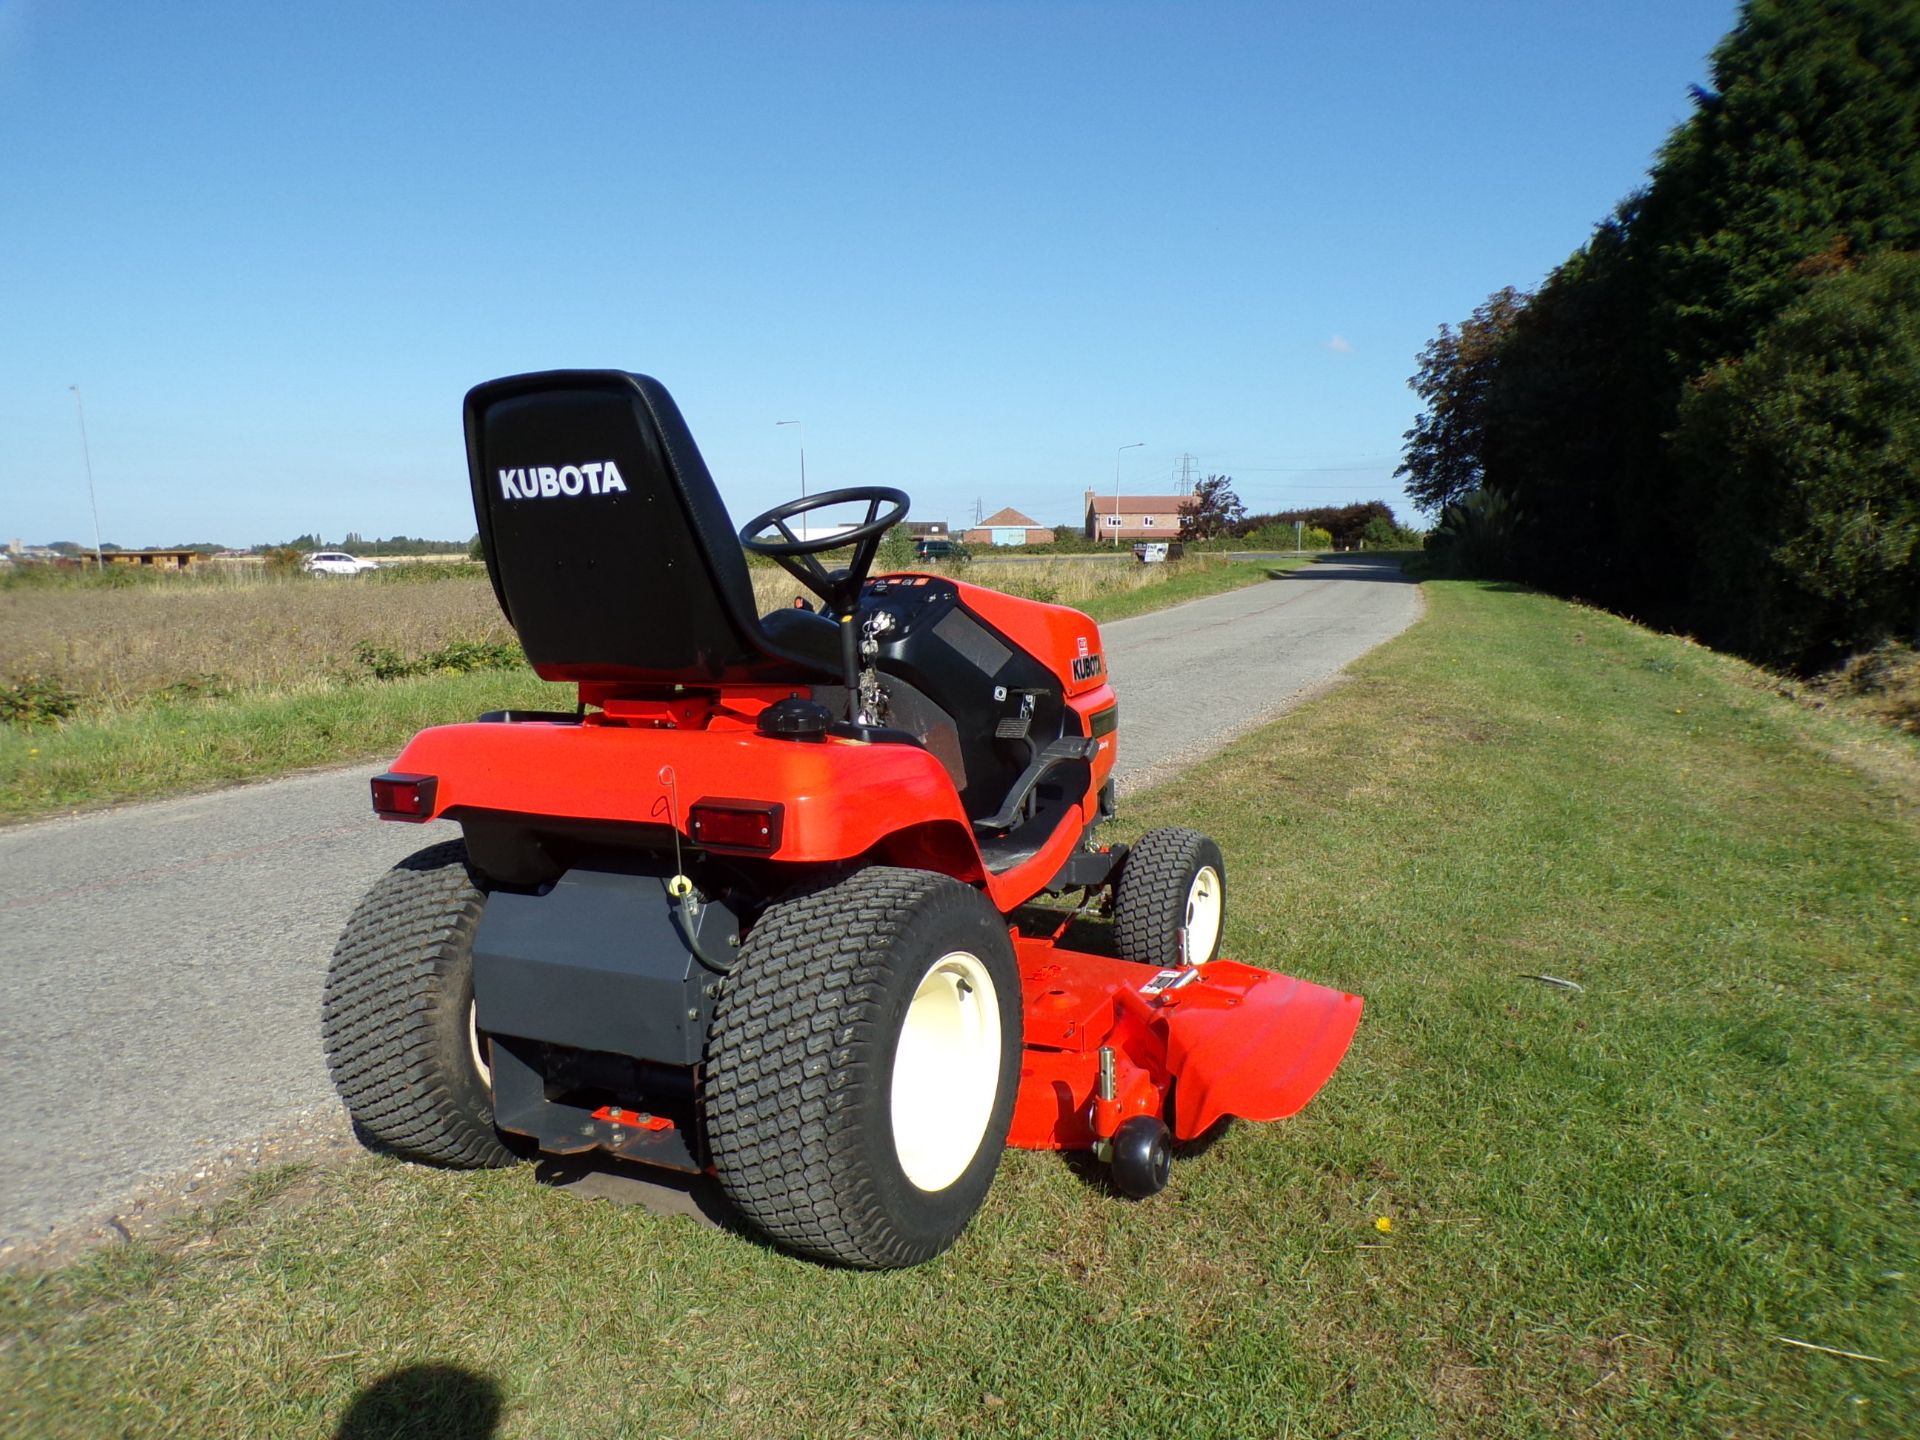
(1205, 901)
(477, 1045)
(946, 1071)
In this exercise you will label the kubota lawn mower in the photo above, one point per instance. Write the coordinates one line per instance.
(753, 907)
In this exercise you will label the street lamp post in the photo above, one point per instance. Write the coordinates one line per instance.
(99, 560)
(1116, 488)
(801, 432)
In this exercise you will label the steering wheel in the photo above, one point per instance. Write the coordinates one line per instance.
(839, 588)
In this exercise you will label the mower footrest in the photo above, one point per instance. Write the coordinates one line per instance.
(1063, 751)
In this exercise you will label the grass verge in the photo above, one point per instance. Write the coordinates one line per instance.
(1195, 581)
(147, 748)
(164, 749)
(1603, 1207)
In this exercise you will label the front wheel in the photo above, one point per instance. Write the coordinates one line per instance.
(1174, 880)
(862, 1065)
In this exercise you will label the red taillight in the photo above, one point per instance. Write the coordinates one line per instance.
(736, 824)
(404, 797)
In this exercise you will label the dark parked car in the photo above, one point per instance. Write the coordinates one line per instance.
(941, 550)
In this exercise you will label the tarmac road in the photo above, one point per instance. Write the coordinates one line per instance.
(161, 964)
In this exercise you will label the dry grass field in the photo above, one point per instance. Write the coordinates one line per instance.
(116, 646)
(153, 685)
(1080, 582)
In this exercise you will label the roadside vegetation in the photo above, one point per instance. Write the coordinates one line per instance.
(122, 685)
(1881, 684)
(1709, 415)
(119, 646)
(1519, 1209)
(1215, 520)
(1113, 592)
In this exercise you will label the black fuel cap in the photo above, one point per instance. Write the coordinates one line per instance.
(795, 719)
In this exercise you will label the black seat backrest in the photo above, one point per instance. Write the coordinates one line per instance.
(609, 547)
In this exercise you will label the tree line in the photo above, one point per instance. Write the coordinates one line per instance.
(1215, 513)
(1708, 416)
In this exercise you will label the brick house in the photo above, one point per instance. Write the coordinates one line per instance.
(1009, 527)
(1134, 517)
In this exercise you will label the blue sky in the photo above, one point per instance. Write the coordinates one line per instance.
(974, 248)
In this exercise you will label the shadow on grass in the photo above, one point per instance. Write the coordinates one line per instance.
(595, 1175)
(424, 1402)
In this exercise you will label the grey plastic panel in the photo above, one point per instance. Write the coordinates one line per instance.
(597, 963)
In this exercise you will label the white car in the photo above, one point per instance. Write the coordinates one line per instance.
(337, 562)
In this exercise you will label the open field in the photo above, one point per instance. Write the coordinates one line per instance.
(179, 682)
(1517, 1210)
(118, 647)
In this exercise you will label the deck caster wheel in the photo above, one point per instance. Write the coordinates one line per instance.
(1142, 1156)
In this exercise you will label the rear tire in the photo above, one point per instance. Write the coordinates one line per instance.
(397, 1015)
(1174, 878)
(862, 1065)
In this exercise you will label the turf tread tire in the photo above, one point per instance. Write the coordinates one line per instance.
(395, 1015)
(797, 1069)
(1150, 902)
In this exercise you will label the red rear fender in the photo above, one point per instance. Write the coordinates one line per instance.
(842, 798)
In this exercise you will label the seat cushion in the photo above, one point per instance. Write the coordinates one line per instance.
(803, 633)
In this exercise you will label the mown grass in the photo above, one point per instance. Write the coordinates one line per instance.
(1604, 1205)
(182, 682)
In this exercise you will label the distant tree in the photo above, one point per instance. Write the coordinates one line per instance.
(1214, 512)
(1343, 524)
(1381, 534)
(896, 551)
(1274, 534)
(1071, 539)
(474, 549)
(1571, 433)
(1446, 446)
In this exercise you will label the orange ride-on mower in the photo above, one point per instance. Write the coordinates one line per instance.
(752, 907)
